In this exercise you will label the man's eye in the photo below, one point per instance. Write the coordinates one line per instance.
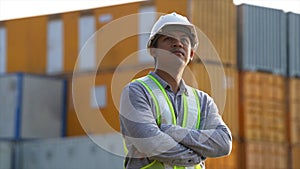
(185, 41)
(168, 38)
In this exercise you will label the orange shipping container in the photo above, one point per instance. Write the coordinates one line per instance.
(261, 155)
(26, 45)
(178, 6)
(217, 19)
(222, 84)
(91, 108)
(263, 107)
(71, 42)
(295, 156)
(294, 106)
(93, 102)
(117, 35)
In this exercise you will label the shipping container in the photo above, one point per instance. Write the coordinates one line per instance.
(93, 101)
(120, 25)
(147, 18)
(217, 20)
(294, 106)
(71, 39)
(181, 7)
(295, 156)
(26, 45)
(6, 154)
(3, 45)
(262, 155)
(293, 43)
(32, 106)
(55, 44)
(262, 39)
(50, 44)
(263, 109)
(221, 83)
(98, 151)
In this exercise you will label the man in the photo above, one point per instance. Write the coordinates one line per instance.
(166, 123)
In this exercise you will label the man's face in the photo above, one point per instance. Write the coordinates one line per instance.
(175, 44)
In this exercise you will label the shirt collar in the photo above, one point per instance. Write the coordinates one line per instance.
(182, 85)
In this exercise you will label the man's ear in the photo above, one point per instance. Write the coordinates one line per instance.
(152, 52)
(192, 55)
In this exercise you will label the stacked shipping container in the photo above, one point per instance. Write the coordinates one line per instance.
(49, 46)
(216, 21)
(256, 49)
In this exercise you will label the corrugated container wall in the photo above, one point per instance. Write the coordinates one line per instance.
(263, 155)
(226, 85)
(263, 107)
(294, 107)
(6, 154)
(178, 6)
(26, 45)
(103, 151)
(293, 22)
(95, 100)
(217, 20)
(2, 47)
(262, 39)
(31, 106)
(123, 42)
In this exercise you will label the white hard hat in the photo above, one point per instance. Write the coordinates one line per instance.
(173, 19)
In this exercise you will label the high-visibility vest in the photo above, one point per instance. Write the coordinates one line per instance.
(165, 113)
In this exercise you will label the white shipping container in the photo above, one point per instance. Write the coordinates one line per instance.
(6, 155)
(103, 151)
(31, 106)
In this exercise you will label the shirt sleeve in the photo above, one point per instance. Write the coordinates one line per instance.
(213, 139)
(139, 129)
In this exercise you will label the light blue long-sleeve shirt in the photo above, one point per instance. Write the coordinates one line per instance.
(170, 144)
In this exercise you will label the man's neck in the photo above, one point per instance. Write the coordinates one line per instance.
(172, 80)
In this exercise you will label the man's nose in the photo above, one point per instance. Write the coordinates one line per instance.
(177, 43)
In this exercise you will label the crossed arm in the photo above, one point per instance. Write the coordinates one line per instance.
(169, 143)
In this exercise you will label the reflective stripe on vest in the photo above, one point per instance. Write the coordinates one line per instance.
(165, 112)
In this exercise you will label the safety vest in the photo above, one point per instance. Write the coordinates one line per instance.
(165, 113)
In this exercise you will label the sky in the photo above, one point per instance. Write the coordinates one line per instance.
(11, 9)
(285, 5)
